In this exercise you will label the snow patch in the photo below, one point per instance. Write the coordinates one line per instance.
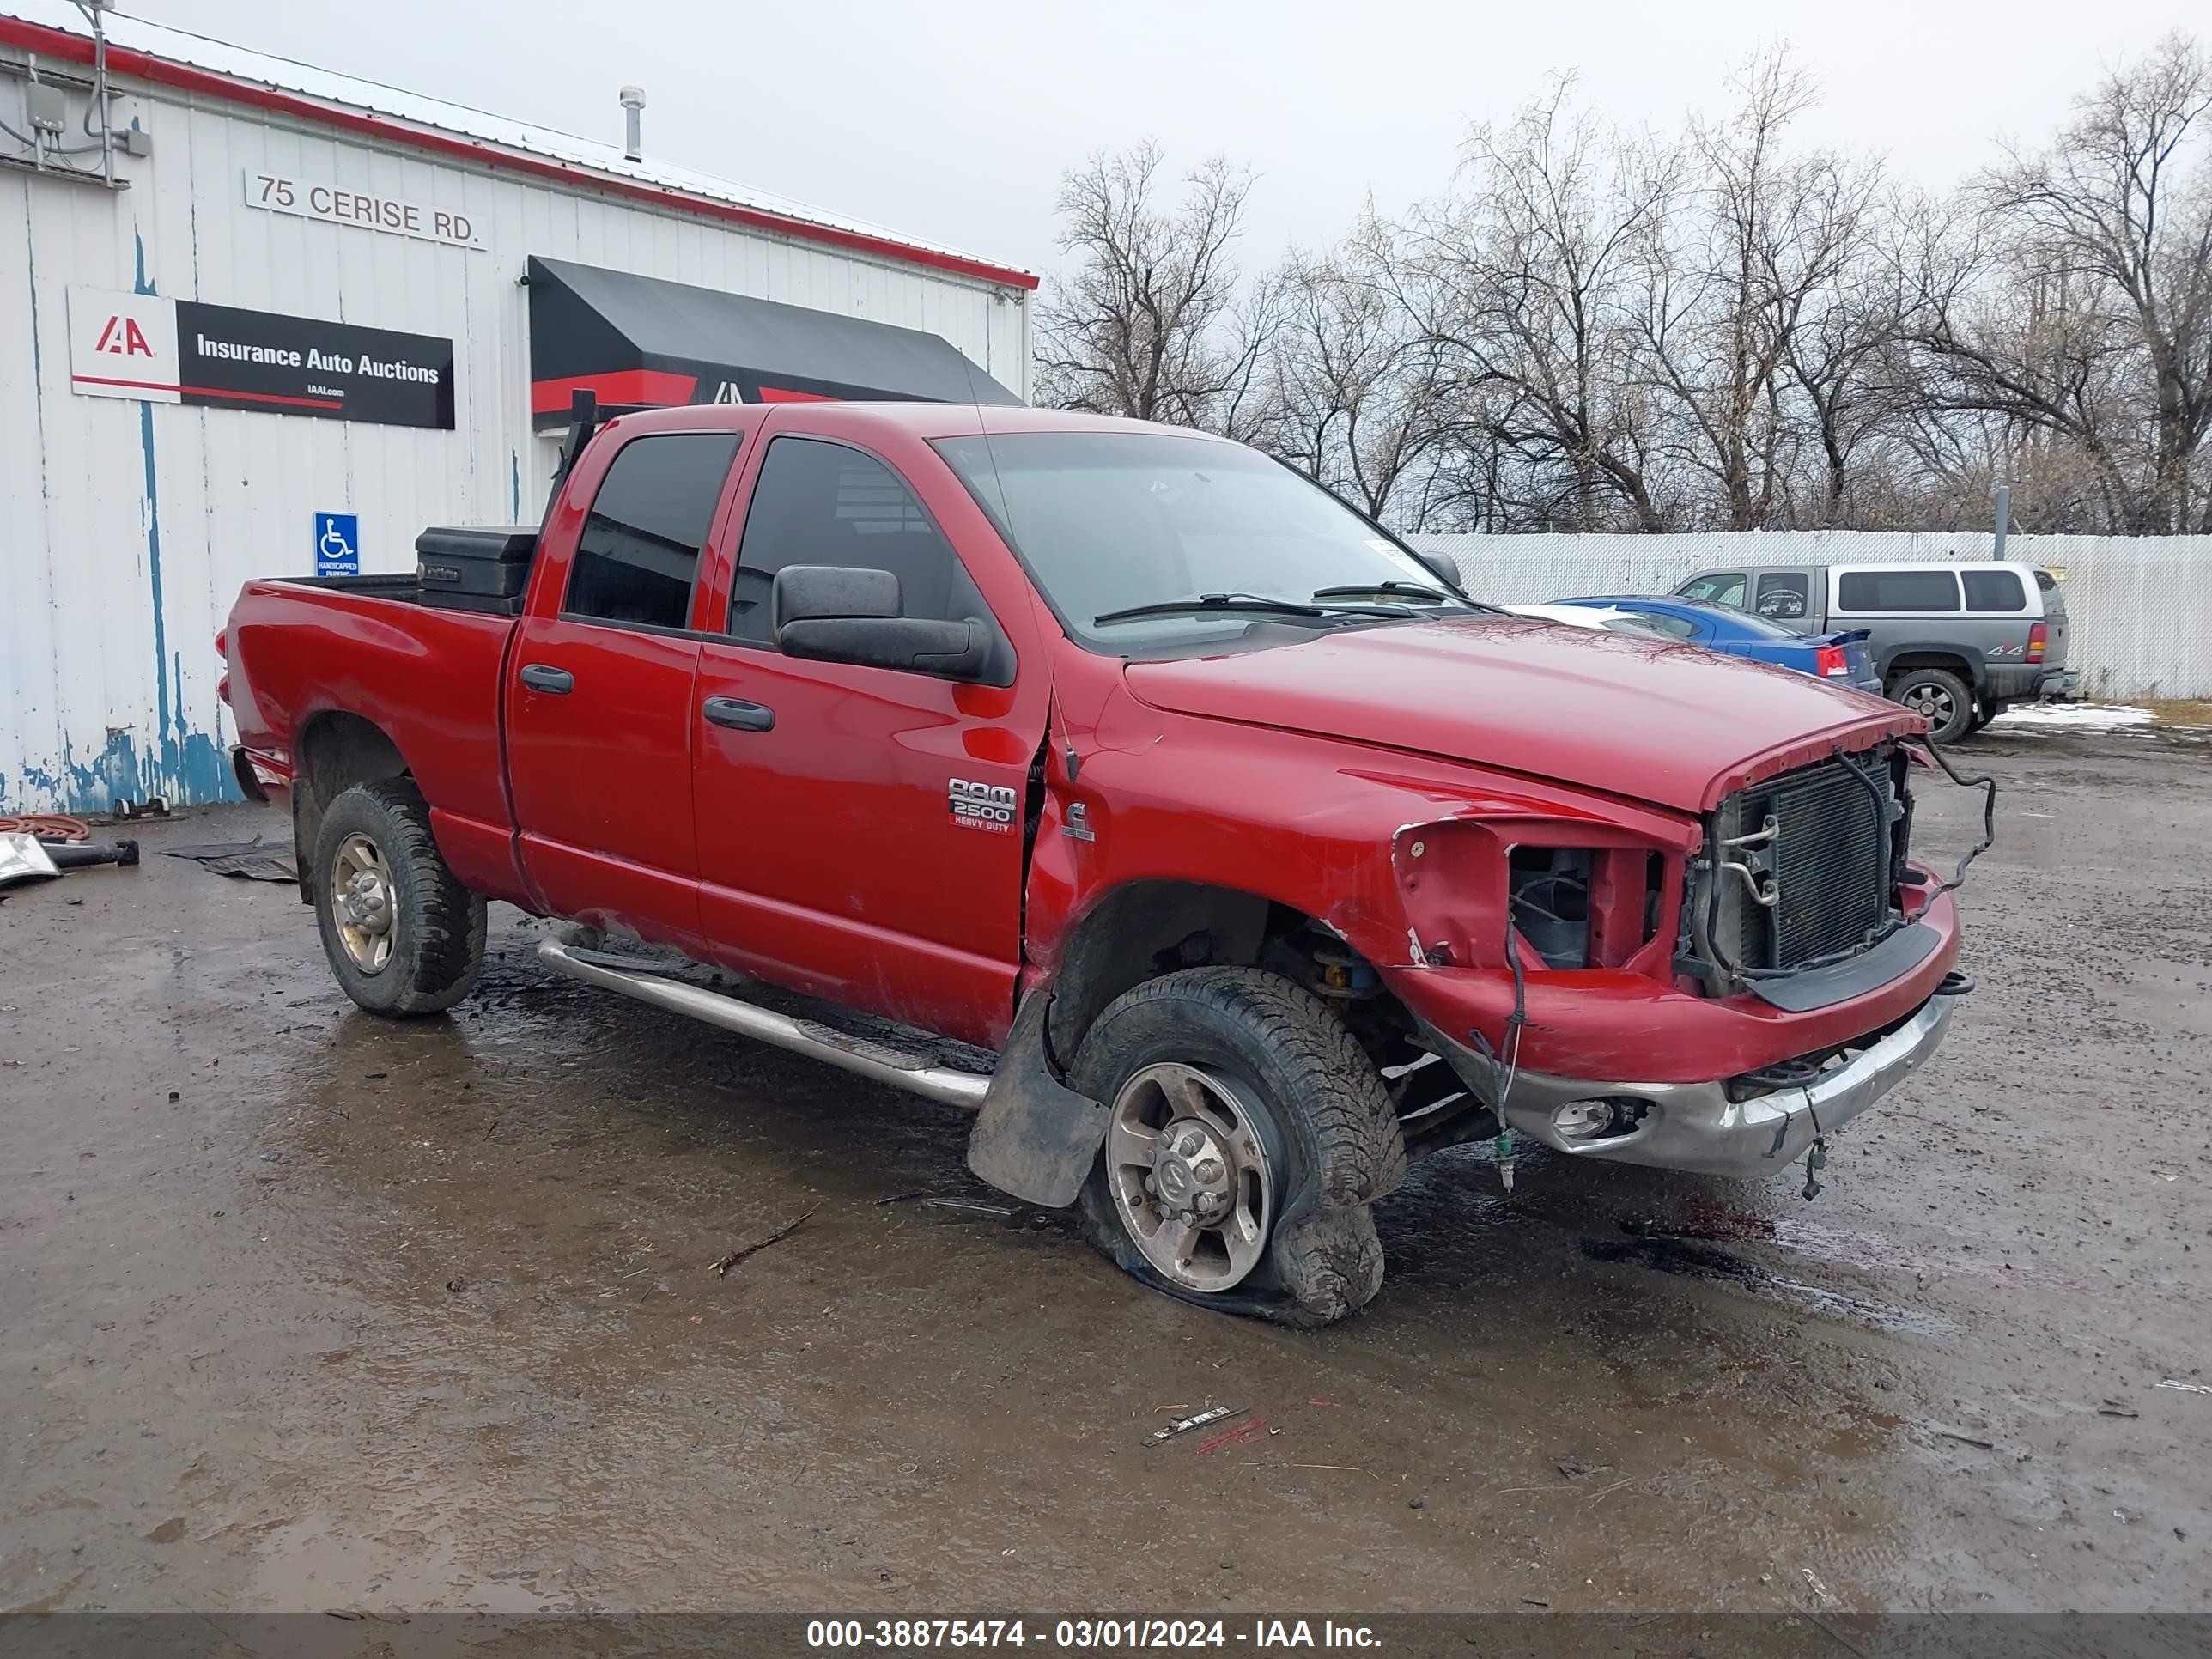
(2072, 717)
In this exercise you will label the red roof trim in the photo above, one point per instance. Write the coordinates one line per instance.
(61, 43)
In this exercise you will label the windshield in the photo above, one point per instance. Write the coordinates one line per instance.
(1111, 522)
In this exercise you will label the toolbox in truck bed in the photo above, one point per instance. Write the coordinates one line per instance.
(476, 567)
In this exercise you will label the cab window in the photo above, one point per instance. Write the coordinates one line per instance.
(1720, 587)
(819, 502)
(638, 553)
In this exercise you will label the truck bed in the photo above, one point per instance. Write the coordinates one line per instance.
(308, 654)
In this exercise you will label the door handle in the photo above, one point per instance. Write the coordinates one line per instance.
(543, 676)
(739, 716)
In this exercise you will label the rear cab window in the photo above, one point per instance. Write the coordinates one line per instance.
(637, 555)
(1860, 593)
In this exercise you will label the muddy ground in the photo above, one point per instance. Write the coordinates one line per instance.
(304, 1310)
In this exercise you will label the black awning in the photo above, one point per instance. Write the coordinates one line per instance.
(640, 343)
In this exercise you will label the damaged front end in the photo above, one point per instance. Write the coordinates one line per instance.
(1721, 1005)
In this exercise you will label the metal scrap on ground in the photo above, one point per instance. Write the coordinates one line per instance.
(722, 1266)
(252, 860)
(1186, 1424)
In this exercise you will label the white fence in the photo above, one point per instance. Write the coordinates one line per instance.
(2140, 606)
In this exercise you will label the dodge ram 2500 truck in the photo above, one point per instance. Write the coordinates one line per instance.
(1262, 857)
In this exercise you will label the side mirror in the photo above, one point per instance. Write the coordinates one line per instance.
(828, 613)
(1445, 568)
(804, 592)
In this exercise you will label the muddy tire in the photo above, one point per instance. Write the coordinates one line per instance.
(1268, 1085)
(1939, 696)
(403, 935)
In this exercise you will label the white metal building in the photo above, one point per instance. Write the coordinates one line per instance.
(279, 318)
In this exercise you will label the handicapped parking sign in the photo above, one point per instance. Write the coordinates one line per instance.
(337, 544)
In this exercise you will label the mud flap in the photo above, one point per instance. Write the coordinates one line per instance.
(1036, 1138)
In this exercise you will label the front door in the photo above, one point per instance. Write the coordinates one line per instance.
(598, 707)
(860, 829)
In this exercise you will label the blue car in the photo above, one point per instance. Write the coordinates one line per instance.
(1842, 657)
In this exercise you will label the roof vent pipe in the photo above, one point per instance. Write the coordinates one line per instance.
(632, 102)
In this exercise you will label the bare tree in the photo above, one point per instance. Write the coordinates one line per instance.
(1597, 330)
(1750, 252)
(1148, 322)
(2080, 304)
(1355, 399)
(1525, 287)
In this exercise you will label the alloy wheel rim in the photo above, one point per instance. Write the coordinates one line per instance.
(1933, 702)
(1190, 1176)
(361, 902)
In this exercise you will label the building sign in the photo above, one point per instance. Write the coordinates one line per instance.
(337, 544)
(364, 210)
(160, 350)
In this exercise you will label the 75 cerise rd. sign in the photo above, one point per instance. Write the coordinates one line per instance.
(364, 210)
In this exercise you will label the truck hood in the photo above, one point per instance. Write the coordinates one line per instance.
(1647, 719)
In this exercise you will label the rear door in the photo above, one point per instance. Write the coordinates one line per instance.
(599, 727)
(2054, 618)
(861, 829)
(1786, 597)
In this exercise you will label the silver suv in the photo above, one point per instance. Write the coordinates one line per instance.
(1956, 642)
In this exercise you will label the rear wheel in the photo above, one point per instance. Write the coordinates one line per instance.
(403, 935)
(1940, 696)
(1247, 1136)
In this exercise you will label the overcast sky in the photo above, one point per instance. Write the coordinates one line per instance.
(953, 122)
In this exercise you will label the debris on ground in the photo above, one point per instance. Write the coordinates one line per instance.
(1821, 1594)
(722, 1264)
(2117, 1408)
(1214, 1414)
(48, 827)
(1243, 1432)
(1965, 1439)
(2186, 1388)
(968, 1206)
(24, 858)
(254, 860)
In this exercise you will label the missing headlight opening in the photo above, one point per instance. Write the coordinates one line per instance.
(1550, 888)
(1584, 907)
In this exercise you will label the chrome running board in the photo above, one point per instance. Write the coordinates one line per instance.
(880, 1061)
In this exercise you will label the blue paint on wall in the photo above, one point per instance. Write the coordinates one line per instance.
(183, 764)
(514, 463)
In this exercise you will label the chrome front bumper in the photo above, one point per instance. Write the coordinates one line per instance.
(1696, 1127)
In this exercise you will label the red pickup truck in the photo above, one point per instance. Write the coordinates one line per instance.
(1261, 856)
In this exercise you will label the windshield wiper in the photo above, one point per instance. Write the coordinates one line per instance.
(1416, 590)
(1257, 603)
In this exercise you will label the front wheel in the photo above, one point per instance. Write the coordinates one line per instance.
(1247, 1135)
(403, 935)
(1939, 695)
